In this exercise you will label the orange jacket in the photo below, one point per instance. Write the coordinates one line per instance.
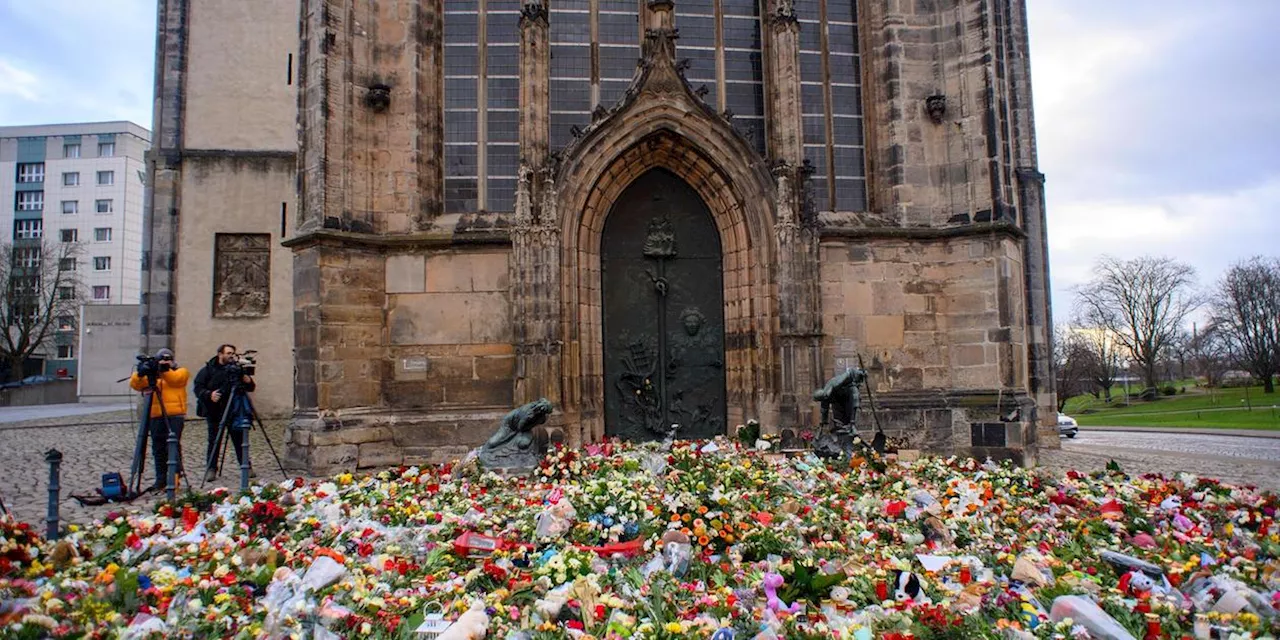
(173, 391)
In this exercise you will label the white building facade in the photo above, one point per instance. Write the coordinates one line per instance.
(80, 183)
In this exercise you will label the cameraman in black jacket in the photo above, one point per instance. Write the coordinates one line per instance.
(213, 389)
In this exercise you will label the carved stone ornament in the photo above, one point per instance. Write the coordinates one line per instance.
(242, 275)
(533, 11)
(524, 202)
(513, 447)
(661, 241)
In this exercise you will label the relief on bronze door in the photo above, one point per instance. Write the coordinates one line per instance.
(663, 316)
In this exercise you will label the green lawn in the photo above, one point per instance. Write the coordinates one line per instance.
(1208, 408)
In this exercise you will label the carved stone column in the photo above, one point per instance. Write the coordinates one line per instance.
(535, 236)
(799, 298)
(786, 130)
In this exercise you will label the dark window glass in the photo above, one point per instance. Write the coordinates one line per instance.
(807, 10)
(612, 92)
(696, 31)
(846, 131)
(503, 60)
(848, 161)
(740, 7)
(619, 28)
(741, 33)
(841, 38)
(745, 98)
(842, 11)
(461, 28)
(753, 130)
(461, 61)
(811, 67)
(818, 190)
(703, 7)
(462, 6)
(846, 100)
(570, 95)
(459, 93)
(815, 130)
(817, 156)
(810, 36)
(460, 160)
(571, 61)
(460, 195)
(845, 69)
(811, 101)
(851, 194)
(460, 126)
(702, 64)
(618, 63)
(620, 5)
(502, 27)
(577, 5)
(504, 93)
(511, 6)
(502, 194)
(503, 159)
(743, 65)
(561, 123)
(569, 27)
(504, 126)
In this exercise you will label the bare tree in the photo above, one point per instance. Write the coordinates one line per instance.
(1143, 302)
(39, 285)
(1102, 353)
(1071, 364)
(1210, 353)
(1246, 304)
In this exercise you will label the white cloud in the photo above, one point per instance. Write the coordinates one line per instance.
(17, 82)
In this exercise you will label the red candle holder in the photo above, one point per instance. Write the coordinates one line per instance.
(882, 591)
(966, 575)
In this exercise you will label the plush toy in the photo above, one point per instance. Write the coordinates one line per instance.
(472, 625)
(1136, 584)
(772, 582)
(907, 588)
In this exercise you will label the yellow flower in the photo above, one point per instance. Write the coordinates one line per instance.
(674, 627)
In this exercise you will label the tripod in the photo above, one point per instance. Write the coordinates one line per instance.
(140, 446)
(223, 434)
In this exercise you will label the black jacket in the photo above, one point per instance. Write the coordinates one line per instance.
(215, 377)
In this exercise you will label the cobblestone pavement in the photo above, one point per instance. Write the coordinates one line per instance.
(1238, 460)
(93, 445)
(58, 411)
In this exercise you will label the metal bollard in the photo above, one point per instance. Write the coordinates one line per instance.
(54, 458)
(245, 465)
(171, 491)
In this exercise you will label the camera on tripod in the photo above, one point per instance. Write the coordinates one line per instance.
(150, 368)
(243, 365)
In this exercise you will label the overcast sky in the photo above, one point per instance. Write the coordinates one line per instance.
(1158, 120)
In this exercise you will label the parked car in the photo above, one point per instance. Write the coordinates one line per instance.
(29, 380)
(1067, 426)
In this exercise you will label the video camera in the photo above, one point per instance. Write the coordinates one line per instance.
(151, 368)
(243, 365)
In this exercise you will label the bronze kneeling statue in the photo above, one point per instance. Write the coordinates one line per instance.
(513, 445)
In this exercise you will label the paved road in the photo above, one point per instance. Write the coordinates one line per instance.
(47, 411)
(1240, 460)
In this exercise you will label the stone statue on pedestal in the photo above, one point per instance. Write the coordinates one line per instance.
(840, 401)
(512, 446)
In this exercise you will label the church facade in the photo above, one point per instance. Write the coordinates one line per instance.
(650, 212)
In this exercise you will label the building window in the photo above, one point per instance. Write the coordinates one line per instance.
(30, 201)
(71, 179)
(67, 264)
(29, 172)
(27, 229)
(106, 149)
(102, 263)
(66, 352)
(104, 206)
(241, 275)
(66, 323)
(67, 293)
(68, 235)
(106, 178)
(101, 292)
(102, 234)
(71, 150)
(26, 257)
(71, 206)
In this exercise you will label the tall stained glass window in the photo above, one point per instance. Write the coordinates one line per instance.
(722, 42)
(570, 68)
(831, 103)
(502, 102)
(461, 105)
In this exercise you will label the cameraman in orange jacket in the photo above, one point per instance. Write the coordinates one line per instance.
(171, 381)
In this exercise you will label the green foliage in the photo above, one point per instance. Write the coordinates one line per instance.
(808, 583)
(749, 433)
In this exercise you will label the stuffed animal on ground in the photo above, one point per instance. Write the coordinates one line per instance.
(772, 582)
(1136, 584)
(472, 625)
(907, 588)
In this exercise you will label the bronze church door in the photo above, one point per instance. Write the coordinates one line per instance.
(663, 315)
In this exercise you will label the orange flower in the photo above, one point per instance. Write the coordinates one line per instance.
(728, 537)
(675, 517)
(686, 517)
(703, 540)
(702, 508)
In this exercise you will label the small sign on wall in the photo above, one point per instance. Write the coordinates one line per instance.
(414, 364)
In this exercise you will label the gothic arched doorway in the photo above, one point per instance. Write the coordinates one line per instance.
(663, 312)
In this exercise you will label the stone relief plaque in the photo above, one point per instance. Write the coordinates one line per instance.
(242, 275)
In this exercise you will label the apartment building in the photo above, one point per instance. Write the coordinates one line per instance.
(77, 183)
